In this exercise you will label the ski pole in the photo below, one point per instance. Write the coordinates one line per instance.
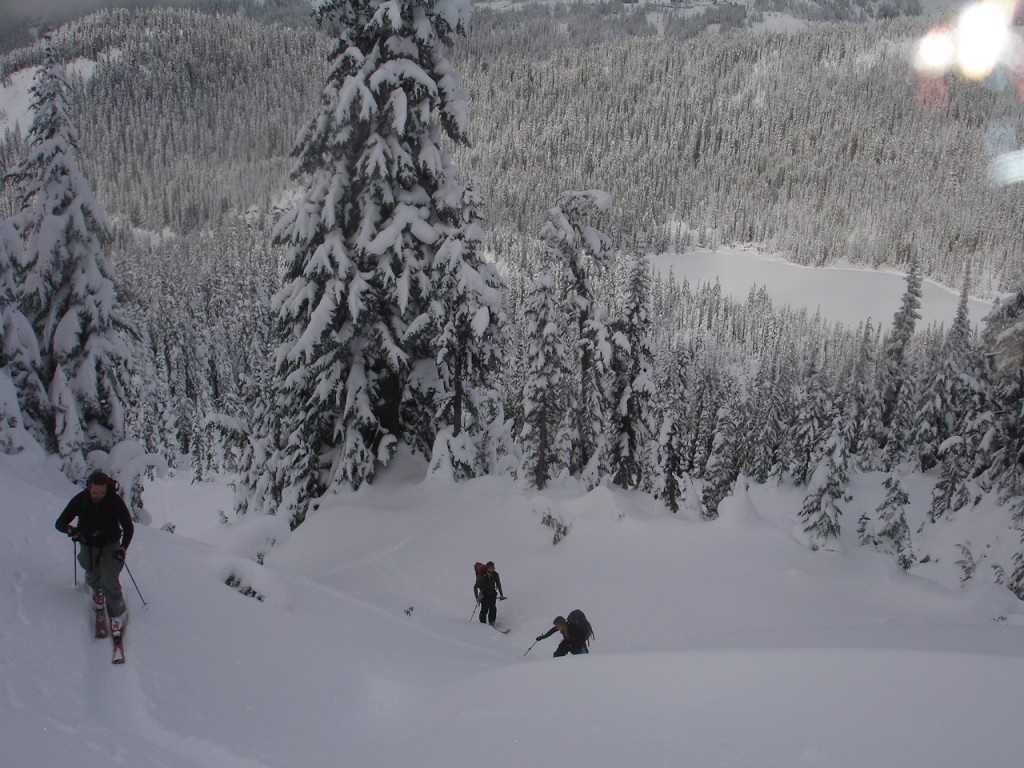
(74, 550)
(136, 585)
(474, 611)
(531, 647)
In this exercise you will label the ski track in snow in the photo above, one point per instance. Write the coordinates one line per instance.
(19, 591)
(408, 622)
(116, 695)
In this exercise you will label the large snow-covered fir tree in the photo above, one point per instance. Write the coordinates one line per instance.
(573, 242)
(955, 394)
(1003, 343)
(467, 341)
(634, 419)
(67, 284)
(545, 401)
(822, 507)
(1003, 332)
(897, 341)
(811, 418)
(768, 403)
(887, 529)
(381, 198)
(19, 352)
(669, 482)
(723, 463)
(866, 402)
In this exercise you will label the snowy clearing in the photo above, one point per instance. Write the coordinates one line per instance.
(717, 644)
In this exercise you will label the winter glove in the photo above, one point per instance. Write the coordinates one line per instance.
(119, 554)
(73, 533)
(539, 638)
(502, 598)
(479, 598)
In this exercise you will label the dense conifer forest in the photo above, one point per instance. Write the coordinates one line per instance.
(820, 145)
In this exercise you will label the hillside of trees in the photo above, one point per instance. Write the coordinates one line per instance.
(814, 145)
(575, 360)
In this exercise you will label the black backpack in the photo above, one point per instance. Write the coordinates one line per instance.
(577, 619)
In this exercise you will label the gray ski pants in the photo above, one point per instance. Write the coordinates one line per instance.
(102, 570)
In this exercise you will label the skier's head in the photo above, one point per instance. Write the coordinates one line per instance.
(490, 565)
(559, 623)
(97, 484)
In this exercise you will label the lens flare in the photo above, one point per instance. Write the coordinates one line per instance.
(977, 43)
(982, 45)
(1008, 168)
(982, 37)
(936, 53)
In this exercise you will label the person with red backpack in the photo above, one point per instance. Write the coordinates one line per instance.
(104, 531)
(487, 591)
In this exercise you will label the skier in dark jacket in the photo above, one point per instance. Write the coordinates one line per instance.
(574, 638)
(487, 591)
(104, 531)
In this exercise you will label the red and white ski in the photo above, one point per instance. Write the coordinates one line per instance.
(118, 638)
(101, 623)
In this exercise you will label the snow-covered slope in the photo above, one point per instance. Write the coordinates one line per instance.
(718, 644)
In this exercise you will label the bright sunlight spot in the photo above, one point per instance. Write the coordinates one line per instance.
(975, 45)
(935, 53)
(982, 35)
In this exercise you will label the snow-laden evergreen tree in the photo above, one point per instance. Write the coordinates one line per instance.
(783, 393)
(950, 387)
(890, 533)
(928, 416)
(381, 199)
(956, 395)
(766, 425)
(634, 418)
(950, 492)
(705, 400)
(866, 401)
(670, 479)
(256, 435)
(573, 242)
(1016, 582)
(19, 348)
(821, 511)
(152, 419)
(898, 340)
(598, 415)
(1002, 343)
(669, 460)
(1004, 445)
(812, 407)
(19, 354)
(468, 339)
(1003, 331)
(723, 465)
(545, 402)
(901, 430)
(67, 284)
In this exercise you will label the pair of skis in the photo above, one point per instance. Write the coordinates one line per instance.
(102, 630)
(498, 629)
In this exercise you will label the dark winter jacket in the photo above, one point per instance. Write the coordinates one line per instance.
(107, 522)
(574, 641)
(488, 585)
